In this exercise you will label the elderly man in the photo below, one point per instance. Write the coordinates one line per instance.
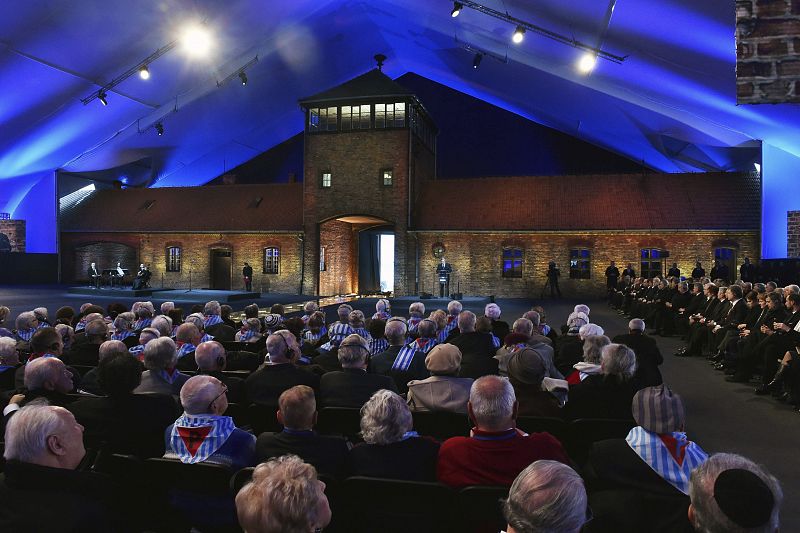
(648, 356)
(522, 336)
(444, 390)
(211, 359)
(87, 353)
(352, 386)
(536, 321)
(26, 325)
(123, 329)
(297, 414)
(41, 489)
(45, 377)
(546, 496)
(9, 363)
(203, 434)
(46, 342)
(409, 362)
(279, 372)
(496, 452)
(454, 308)
(147, 335)
(89, 380)
(161, 376)
(477, 349)
(731, 493)
(187, 338)
(338, 330)
(396, 333)
(214, 325)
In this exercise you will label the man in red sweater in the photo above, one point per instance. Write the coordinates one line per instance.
(496, 452)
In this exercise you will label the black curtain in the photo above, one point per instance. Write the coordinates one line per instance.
(369, 276)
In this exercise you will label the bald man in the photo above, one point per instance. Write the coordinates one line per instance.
(211, 359)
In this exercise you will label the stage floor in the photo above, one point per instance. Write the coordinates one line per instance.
(167, 294)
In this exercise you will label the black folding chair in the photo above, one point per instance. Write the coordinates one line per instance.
(441, 424)
(586, 431)
(481, 509)
(345, 421)
(536, 424)
(262, 418)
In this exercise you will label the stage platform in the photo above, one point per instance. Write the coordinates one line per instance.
(168, 294)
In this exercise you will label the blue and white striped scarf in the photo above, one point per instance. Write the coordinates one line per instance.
(142, 323)
(495, 341)
(245, 334)
(206, 337)
(185, 348)
(136, 351)
(195, 438)
(121, 335)
(413, 323)
(452, 322)
(26, 334)
(212, 320)
(406, 353)
(671, 455)
(377, 346)
(310, 336)
(81, 325)
(363, 332)
(337, 334)
(381, 315)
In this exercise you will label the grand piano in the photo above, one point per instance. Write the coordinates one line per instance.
(113, 276)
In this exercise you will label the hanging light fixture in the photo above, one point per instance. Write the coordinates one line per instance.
(457, 7)
(519, 34)
(144, 72)
(101, 95)
(159, 126)
(243, 77)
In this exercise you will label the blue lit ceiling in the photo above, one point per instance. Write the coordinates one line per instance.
(671, 104)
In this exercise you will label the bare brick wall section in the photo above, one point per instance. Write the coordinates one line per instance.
(15, 231)
(768, 51)
(196, 256)
(793, 234)
(476, 257)
(340, 242)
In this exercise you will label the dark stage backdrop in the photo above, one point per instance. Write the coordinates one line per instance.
(28, 269)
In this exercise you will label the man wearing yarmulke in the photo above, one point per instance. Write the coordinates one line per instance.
(732, 494)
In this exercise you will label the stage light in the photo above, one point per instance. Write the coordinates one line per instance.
(519, 34)
(159, 128)
(144, 72)
(102, 97)
(243, 77)
(196, 41)
(457, 7)
(477, 60)
(587, 63)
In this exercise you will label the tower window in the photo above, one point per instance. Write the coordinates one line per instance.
(174, 259)
(325, 180)
(387, 177)
(271, 260)
(512, 262)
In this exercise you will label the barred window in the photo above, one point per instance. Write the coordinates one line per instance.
(390, 115)
(580, 263)
(173, 259)
(651, 262)
(271, 260)
(387, 177)
(325, 180)
(512, 262)
(322, 119)
(322, 265)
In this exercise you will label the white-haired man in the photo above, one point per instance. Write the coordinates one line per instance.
(211, 359)
(409, 363)
(279, 371)
(214, 325)
(41, 489)
(352, 386)
(45, 377)
(203, 433)
(187, 338)
(453, 309)
(496, 452)
(648, 356)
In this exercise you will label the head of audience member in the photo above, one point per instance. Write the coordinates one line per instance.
(115, 309)
(794, 289)
(124, 322)
(439, 316)
(64, 315)
(618, 360)
(356, 319)
(385, 418)
(282, 347)
(523, 326)
(148, 334)
(526, 368)
(310, 307)
(534, 317)
(254, 325)
(198, 320)
(251, 311)
(296, 326)
(396, 330)
(48, 374)
(188, 333)
(542, 315)
(575, 321)
(774, 300)
(176, 315)
(759, 287)
(210, 356)
(590, 329)
(353, 352)
(581, 308)
(659, 410)
(483, 324)
(160, 354)
(166, 307)
(109, 347)
(44, 435)
(343, 311)
(271, 322)
(163, 324)
(466, 321)
(636, 326)
(4, 312)
(722, 294)
(47, 340)
(67, 334)
(41, 314)
(284, 496)
(593, 348)
(118, 374)
(492, 404)
(277, 309)
(204, 394)
(416, 310)
(443, 360)
(793, 302)
(734, 293)
(454, 308)
(8, 352)
(547, 496)
(225, 311)
(26, 320)
(731, 494)
(377, 328)
(297, 408)
(382, 306)
(317, 320)
(492, 311)
(770, 286)
(427, 329)
(683, 287)
(212, 308)
(697, 288)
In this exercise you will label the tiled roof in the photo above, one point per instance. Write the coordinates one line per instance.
(372, 84)
(626, 202)
(243, 208)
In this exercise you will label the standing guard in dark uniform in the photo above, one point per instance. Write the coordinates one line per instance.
(553, 273)
(247, 274)
(747, 271)
(698, 271)
(612, 275)
(443, 271)
(674, 271)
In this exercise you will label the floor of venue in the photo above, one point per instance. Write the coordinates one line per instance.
(720, 416)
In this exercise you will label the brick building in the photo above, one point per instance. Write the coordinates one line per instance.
(369, 182)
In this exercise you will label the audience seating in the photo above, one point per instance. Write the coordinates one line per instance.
(243, 360)
(240, 414)
(480, 509)
(345, 421)
(240, 479)
(536, 424)
(441, 425)
(233, 346)
(262, 418)
(586, 431)
(82, 369)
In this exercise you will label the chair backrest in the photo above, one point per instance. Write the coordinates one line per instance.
(262, 418)
(441, 424)
(240, 479)
(536, 424)
(586, 431)
(390, 505)
(82, 369)
(239, 413)
(242, 374)
(204, 478)
(480, 509)
(345, 421)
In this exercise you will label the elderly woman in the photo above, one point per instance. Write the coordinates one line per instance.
(309, 308)
(160, 357)
(358, 323)
(383, 310)
(500, 328)
(526, 371)
(4, 312)
(144, 316)
(284, 496)
(123, 329)
(390, 448)
(26, 325)
(250, 331)
(571, 347)
(415, 313)
(592, 349)
(9, 362)
(609, 393)
(67, 335)
(444, 390)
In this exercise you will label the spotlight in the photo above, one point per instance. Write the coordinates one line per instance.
(144, 72)
(159, 128)
(102, 97)
(457, 7)
(243, 77)
(196, 41)
(587, 63)
(519, 34)
(477, 60)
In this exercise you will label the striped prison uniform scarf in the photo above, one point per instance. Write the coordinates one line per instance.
(377, 346)
(671, 455)
(212, 320)
(406, 353)
(195, 438)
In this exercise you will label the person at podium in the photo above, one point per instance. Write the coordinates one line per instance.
(443, 271)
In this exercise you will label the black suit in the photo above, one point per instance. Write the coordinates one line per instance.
(222, 332)
(266, 384)
(85, 354)
(382, 364)
(327, 453)
(600, 396)
(648, 358)
(351, 387)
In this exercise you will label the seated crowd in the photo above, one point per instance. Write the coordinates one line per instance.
(207, 389)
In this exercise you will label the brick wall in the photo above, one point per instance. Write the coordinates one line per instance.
(341, 244)
(768, 51)
(793, 234)
(105, 255)
(15, 231)
(476, 257)
(77, 249)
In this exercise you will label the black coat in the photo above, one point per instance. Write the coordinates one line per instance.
(266, 384)
(412, 459)
(222, 332)
(382, 364)
(648, 358)
(85, 354)
(601, 396)
(327, 453)
(351, 387)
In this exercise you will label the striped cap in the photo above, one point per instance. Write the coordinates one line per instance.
(658, 409)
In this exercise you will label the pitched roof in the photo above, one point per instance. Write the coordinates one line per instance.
(373, 84)
(274, 207)
(619, 202)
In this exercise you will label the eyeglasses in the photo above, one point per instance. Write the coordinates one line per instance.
(218, 396)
